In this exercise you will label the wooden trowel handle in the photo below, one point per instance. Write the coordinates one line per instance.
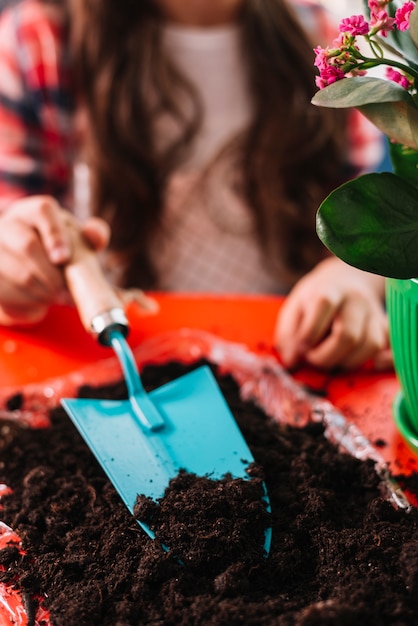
(97, 302)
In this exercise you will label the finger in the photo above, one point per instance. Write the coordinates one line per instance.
(329, 354)
(347, 331)
(147, 304)
(12, 316)
(285, 331)
(25, 272)
(301, 326)
(31, 285)
(357, 333)
(97, 233)
(318, 317)
(47, 217)
(383, 361)
(375, 340)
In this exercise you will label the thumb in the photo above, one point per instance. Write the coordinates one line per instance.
(97, 233)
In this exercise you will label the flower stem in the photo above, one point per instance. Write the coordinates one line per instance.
(368, 63)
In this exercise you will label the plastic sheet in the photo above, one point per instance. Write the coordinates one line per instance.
(260, 378)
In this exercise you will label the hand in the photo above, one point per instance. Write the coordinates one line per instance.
(334, 317)
(34, 243)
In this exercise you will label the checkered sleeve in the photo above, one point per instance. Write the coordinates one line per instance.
(35, 106)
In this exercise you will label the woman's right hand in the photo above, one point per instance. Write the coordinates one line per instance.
(35, 242)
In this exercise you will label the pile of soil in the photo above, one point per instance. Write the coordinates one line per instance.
(206, 522)
(340, 553)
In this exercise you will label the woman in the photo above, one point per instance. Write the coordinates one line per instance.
(192, 124)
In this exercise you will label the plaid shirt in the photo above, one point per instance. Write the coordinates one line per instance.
(36, 107)
(37, 130)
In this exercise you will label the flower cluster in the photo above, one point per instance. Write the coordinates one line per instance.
(345, 58)
(370, 222)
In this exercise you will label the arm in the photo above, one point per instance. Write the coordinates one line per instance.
(334, 316)
(37, 147)
(36, 122)
(34, 159)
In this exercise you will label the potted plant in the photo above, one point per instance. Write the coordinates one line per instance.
(371, 222)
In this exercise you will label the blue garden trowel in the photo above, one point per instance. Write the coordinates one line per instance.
(144, 441)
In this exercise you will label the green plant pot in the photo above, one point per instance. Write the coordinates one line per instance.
(402, 307)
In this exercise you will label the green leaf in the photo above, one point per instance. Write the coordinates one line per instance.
(397, 120)
(413, 29)
(372, 223)
(387, 105)
(361, 90)
(405, 162)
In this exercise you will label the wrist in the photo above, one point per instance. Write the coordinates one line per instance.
(375, 282)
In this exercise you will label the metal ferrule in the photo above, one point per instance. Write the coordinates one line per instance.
(103, 323)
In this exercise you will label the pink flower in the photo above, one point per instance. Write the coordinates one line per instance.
(376, 5)
(357, 72)
(345, 59)
(398, 78)
(381, 21)
(328, 76)
(403, 14)
(321, 57)
(327, 57)
(355, 25)
(340, 41)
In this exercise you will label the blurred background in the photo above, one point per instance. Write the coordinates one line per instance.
(341, 8)
(338, 9)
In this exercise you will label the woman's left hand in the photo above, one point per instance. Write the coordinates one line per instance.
(334, 317)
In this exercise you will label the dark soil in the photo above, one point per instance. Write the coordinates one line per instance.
(206, 522)
(341, 554)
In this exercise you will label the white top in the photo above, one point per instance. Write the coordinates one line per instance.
(211, 59)
(207, 241)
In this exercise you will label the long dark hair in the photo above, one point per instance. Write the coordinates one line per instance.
(292, 154)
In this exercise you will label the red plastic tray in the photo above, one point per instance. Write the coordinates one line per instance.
(59, 345)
